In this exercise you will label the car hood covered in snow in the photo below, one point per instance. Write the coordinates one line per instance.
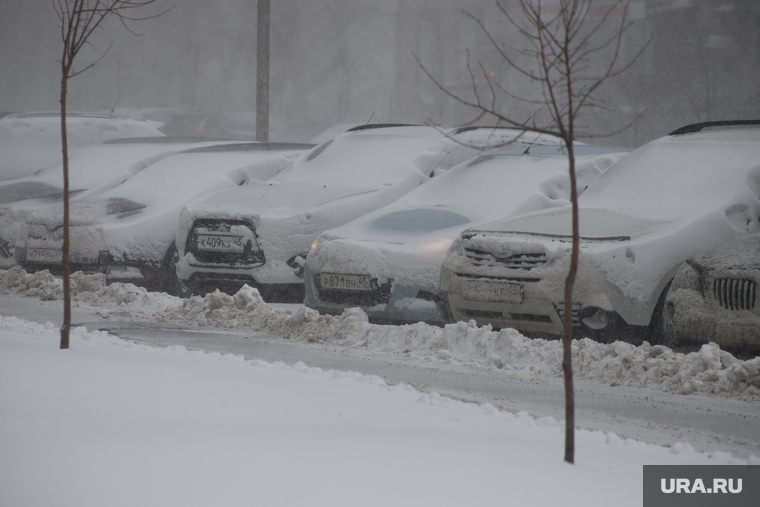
(740, 253)
(595, 225)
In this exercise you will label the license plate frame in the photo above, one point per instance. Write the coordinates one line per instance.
(345, 281)
(231, 243)
(44, 255)
(492, 291)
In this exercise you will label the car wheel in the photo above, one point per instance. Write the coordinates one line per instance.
(170, 283)
(657, 334)
(443, 306)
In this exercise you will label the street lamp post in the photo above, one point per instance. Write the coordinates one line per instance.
(262, 71)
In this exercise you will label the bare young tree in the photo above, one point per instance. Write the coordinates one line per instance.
(566, 49)
(79, 20)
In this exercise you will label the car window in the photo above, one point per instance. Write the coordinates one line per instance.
(319, 149)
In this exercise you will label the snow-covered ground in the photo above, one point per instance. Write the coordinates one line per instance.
(112, 422)
(707, 371)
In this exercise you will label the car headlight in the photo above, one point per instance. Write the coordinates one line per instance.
(314, 246)
(688, 277)
(436, 246)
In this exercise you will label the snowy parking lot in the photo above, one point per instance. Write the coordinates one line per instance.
(343, 253)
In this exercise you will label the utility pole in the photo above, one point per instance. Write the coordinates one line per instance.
(262, 71)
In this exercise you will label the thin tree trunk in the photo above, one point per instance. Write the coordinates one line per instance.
(79, 19)
(567, 338)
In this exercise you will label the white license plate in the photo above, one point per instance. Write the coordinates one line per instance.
(499, 292)
(44, 255)
(220, 243)
(345, 282)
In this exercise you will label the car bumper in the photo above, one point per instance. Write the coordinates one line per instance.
(276, 281)
(385, 302)
(140, 274)
(691, 318)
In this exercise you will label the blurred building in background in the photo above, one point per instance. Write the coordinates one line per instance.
(353, 61)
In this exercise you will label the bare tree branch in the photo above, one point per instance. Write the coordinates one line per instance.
(571, 54)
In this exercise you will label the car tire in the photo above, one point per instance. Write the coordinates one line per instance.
(170, 283)
(657, 334)
(444, 308)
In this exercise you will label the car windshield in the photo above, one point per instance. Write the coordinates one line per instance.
(680, 177)
(365, 159)
(557, 151)
(28, 190)
(184, 175)
(238, 147)
(418, 220)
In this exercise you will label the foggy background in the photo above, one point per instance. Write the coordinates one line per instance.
(348, 61)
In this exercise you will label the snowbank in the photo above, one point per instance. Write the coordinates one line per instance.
(708, 371)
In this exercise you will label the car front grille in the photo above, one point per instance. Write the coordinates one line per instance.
(521, 279)
(377, 295)
(41, 232)
(524, 261)
(251, 256)
(576, 311)
(735, 294)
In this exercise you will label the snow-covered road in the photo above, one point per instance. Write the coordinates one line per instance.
(707, 422)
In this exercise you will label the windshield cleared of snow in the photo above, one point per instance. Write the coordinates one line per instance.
(418, 220)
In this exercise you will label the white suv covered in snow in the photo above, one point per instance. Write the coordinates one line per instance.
(664, 202)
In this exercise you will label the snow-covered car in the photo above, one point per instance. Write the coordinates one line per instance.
(92, 170)
(128, 232)
(32, 141)
(714, 297)
(664, 202)
(261, 234)
(388, 262)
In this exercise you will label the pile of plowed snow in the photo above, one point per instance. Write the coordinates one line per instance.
(707, 371)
